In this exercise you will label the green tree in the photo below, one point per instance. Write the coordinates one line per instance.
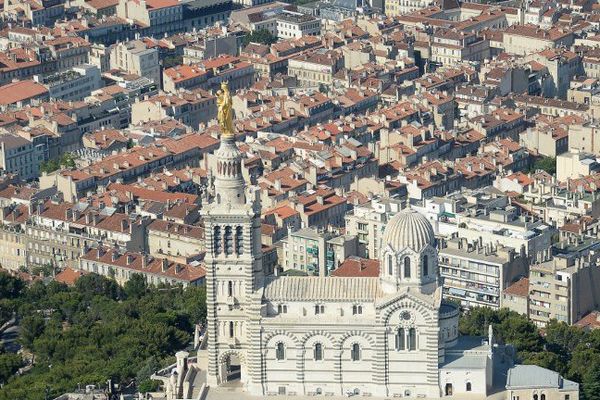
(136, 286)
(9, 364)
(30, 328)
(10, 287)
(97, 285)
(547, 164)
(262, 36)
(591, 382)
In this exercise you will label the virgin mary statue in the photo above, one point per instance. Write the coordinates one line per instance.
(225, 112)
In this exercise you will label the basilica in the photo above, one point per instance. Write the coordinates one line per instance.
(389, 336)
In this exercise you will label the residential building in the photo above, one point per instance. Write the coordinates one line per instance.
(121, 266)
(475, 274)
(368, 221)
(134, 57)
(316, 253)
(71, 85)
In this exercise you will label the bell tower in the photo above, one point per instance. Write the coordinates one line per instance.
(233, 260)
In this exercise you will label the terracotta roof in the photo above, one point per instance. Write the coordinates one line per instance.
(146, 264)
(68, 276)
(357, 267)
(519, 288)
(590, 321)
(19, 91)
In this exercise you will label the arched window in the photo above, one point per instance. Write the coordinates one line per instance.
(318, 352)
(400, 345)
(280, 351)
(355, 353)
(425, 265)
(468, 386)
(407, 267)
(228, 240)
(239, 240)
(217, 240)
(543, 396)
(412, 339)
(230, 288)
(390, 265)
(231, 329)
(535, 397)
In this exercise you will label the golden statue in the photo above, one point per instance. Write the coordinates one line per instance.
(225, 113)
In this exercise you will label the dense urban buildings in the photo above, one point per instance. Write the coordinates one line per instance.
(345, 179)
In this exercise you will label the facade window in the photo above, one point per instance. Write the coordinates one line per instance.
(319, 309)
(230, 288)
(355, 353)
(239, 240)
(217, 239)
(400, 340)
(412, 339)
(407, 267)
(356, 309)
(468, 386)
(230, 329)
(228, 240)
(280, 351)
(390, 265)
(318, 352)
(425, 265)
(282, 309)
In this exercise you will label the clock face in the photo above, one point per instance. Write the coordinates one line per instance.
(405, 315)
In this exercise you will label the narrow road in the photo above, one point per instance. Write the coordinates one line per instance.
(9, 337)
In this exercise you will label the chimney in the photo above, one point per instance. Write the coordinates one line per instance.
(144, 261)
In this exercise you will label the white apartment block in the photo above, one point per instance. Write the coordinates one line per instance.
(135, 58)
(72, 85)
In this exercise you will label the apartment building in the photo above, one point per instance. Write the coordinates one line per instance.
(574, 164)
(563, 289)
(527, 39)
(71, 85)
(57, 231)
(450, 47)
(367, 222)
(189, 107)
(134, 57)
(507, 227)
(291, 24)
(314, 252)
(122, 265)
(18, 156)
(315, 68)
(475, 274)
(175, 241)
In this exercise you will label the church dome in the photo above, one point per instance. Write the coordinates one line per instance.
(409, 229)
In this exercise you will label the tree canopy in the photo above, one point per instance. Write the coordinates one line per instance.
(569, 350)
(66, 160)
(262, 36)
(96, 331)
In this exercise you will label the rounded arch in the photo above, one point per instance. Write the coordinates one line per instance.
(228, 353)
(429, 316)
(311, 337)
(347, 338)
(279, 334)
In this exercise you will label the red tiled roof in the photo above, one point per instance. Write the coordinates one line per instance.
(68, 276)
(519, 288)
(358, 267)
(19, 91)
